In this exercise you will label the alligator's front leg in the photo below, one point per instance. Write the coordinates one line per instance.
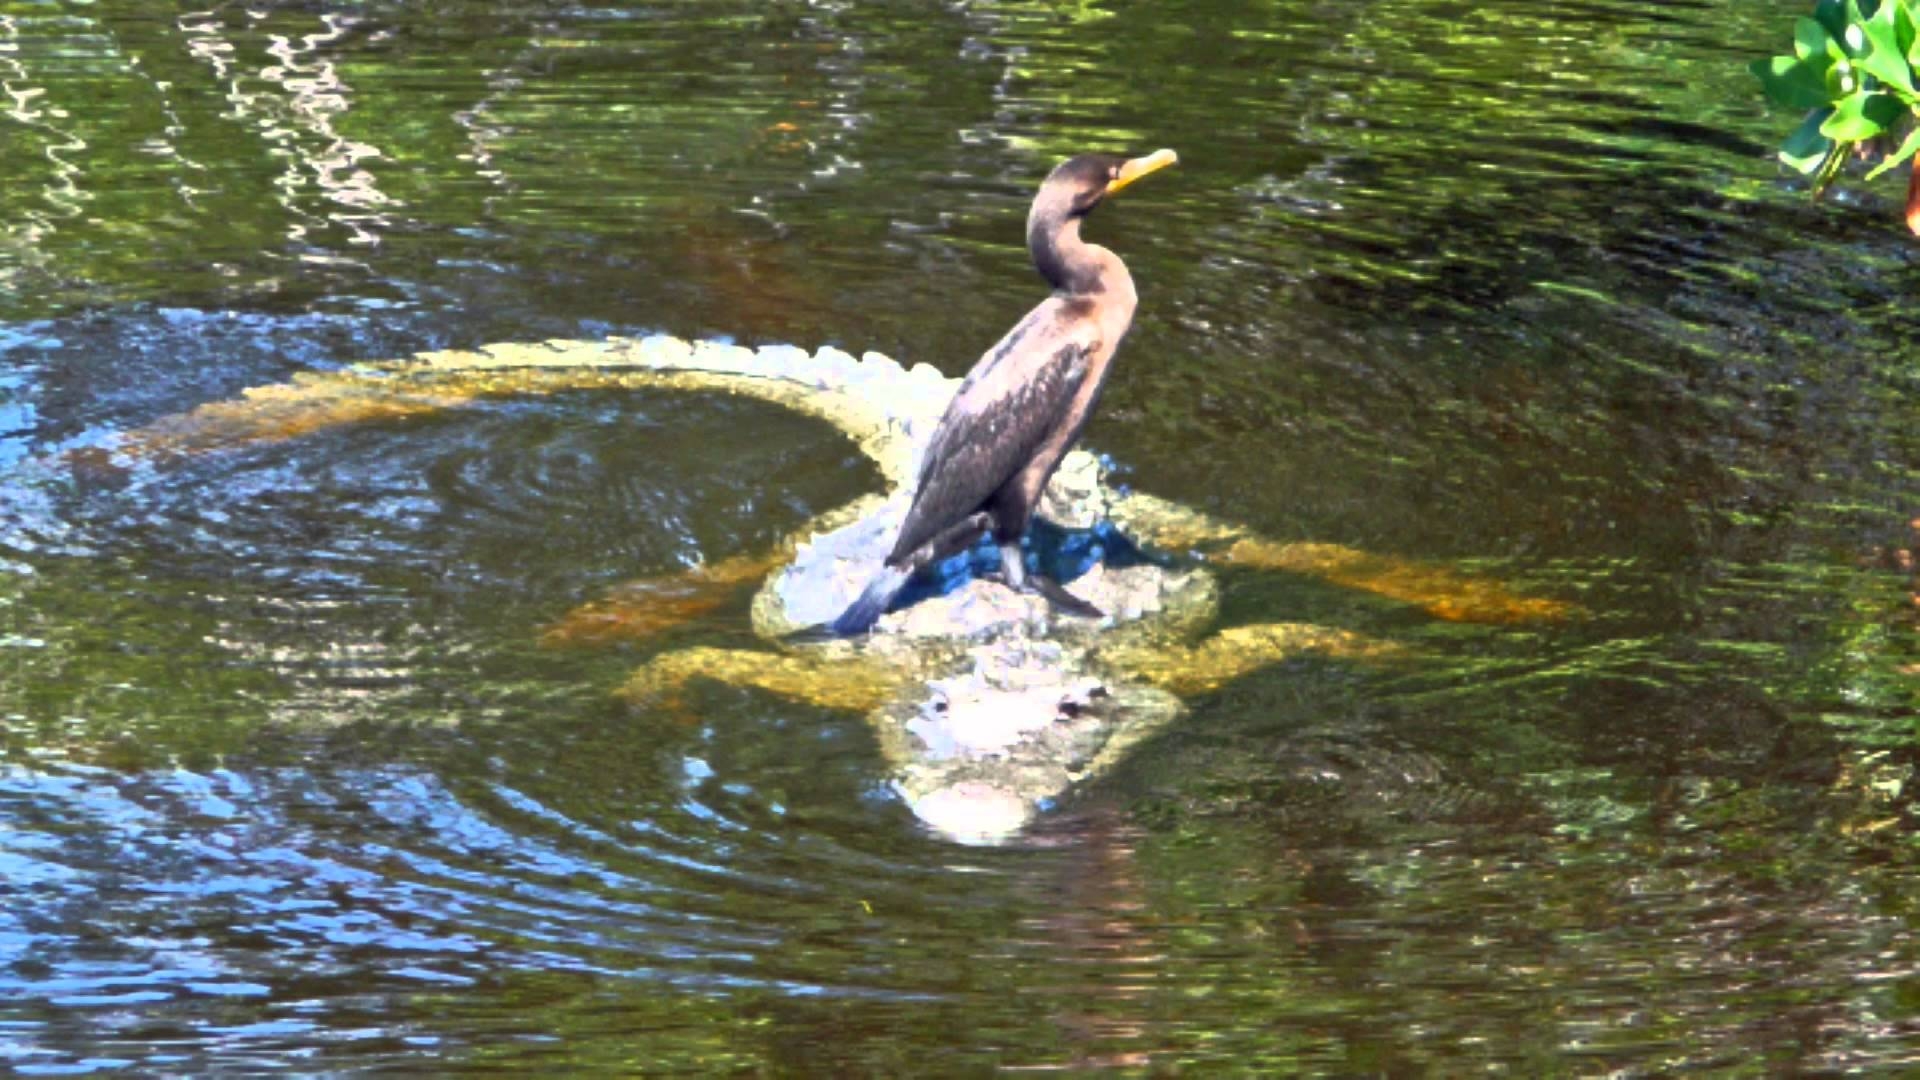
(640, 609)
(1443, 593)
(836, 680)
(1187, 670)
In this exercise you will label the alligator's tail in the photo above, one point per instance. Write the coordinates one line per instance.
(864, 612)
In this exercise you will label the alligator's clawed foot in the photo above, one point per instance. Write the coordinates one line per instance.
(1205, 667)
(1441, 591)
(641, 609)
(843, 682)
(637, 609)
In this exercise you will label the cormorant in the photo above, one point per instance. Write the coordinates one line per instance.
(1022, 406)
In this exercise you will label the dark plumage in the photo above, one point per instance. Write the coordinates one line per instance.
(1022, 406)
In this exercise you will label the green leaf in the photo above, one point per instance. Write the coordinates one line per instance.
(1906, 151)
(1799, 84)
(1883, 58)
(1862, 115)
(1809, 38)
(1806, 148)
(1831, 14)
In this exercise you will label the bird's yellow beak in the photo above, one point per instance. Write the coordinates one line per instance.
(1139, 167)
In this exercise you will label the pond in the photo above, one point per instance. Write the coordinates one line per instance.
(288, 780)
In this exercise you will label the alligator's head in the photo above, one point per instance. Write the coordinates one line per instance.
(992, 745)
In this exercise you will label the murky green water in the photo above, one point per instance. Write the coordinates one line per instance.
(289, 782)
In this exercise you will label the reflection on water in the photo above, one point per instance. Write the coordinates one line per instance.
(295, 117)
(290, 781)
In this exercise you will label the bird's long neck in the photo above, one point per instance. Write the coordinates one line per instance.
(1069, 263)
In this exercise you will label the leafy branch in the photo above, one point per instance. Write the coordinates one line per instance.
(1852, 67)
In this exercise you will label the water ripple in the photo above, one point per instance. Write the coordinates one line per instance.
(290, 783)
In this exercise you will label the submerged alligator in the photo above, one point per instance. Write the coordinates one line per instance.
(987, 704)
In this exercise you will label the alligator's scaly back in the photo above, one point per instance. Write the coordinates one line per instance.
(886, 409)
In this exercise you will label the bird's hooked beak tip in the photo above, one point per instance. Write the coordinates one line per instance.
(1139, 167)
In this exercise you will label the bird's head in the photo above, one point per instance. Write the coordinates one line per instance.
(1070, 193)
(1084, 181)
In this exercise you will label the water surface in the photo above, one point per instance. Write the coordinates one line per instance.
(289, 781)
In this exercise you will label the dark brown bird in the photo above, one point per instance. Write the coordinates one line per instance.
(1022, 406)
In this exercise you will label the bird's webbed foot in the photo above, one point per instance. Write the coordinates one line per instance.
(1013, 574)
(1062, 600)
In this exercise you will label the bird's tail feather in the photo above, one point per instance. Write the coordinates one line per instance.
(864, 612)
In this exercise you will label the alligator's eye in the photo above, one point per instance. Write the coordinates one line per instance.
(1098, 692)
(939, 706)
(1070, 709)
